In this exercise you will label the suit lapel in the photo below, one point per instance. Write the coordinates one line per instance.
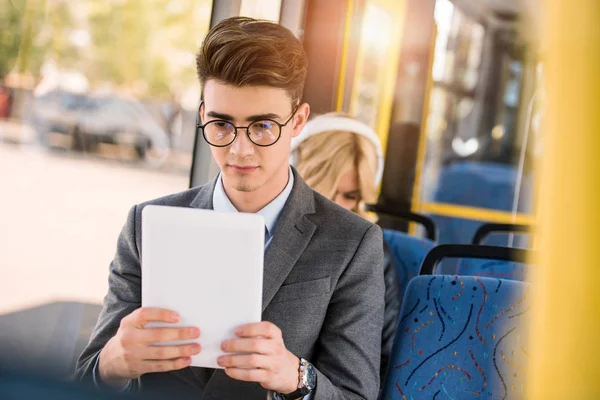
(204, 198)
(292, 234)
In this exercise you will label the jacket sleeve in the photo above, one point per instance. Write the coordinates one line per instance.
(349, 348)
(392, 309)
(123, 297)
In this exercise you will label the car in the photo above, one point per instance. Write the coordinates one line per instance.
(87, 121)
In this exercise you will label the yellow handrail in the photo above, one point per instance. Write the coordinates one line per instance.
(476, 213)
(341, 89)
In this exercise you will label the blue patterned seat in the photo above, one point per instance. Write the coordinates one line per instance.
(460, 338)
(493, 269)
(408, 252)
(496, 268)
(481, 185)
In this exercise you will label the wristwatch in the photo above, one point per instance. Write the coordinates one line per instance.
(307, 381)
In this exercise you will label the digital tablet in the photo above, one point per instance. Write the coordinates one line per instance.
(208, 267)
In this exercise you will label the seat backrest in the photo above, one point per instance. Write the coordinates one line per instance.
(480, 185)
(496, 268)
(398, 212)
(485, 230)
(460, 338)
(47, 339)
(24, 385)
(408, 253)
(493, 269)
(461, 231)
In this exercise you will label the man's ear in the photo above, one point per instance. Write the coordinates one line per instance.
(201, 112)
(301, 118)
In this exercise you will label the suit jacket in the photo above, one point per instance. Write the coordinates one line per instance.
(392, 309)
(323, 287)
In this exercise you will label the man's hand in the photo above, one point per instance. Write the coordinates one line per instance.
(130, 353)
(269, 362)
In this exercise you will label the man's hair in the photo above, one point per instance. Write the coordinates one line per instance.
(243, 51)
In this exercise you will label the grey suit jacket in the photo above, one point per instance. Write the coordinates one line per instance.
(323, 287)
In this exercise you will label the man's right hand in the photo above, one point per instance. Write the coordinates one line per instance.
(131, 353)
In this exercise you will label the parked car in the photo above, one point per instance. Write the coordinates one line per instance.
(92, 120)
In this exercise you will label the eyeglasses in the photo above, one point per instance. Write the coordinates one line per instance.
(221, 133)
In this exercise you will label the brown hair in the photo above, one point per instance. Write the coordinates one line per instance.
(243, 51)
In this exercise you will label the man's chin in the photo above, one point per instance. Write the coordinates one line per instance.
(245, 187)
(243, 184)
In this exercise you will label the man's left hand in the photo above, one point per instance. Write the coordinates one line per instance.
(268, 362)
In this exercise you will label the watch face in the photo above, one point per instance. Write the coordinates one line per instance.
(308, 384)
(311, 376)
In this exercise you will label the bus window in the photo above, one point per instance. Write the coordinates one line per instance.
(476, 157)
(103, 97)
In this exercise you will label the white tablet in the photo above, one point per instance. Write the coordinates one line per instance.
(207, 266)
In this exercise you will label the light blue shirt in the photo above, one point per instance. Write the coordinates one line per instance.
(270, 212)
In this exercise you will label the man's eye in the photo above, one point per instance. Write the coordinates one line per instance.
(263, 125)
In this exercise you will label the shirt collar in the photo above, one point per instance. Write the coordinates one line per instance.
(270, 212)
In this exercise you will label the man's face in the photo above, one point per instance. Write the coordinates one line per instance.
(245, 166)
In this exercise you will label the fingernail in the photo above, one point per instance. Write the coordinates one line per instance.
(174, 316)
(194, 332)
(224, 346)
(196, 349)
(220, 361)
(238, 331)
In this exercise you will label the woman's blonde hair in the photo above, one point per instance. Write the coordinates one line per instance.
(325, 157)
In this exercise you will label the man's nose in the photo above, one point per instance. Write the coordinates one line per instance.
(242, 146)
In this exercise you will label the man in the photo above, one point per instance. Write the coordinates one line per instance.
(323, 292)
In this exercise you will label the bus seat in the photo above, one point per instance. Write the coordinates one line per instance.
(19, 385)
(495, 268)
(461, 338)
(47, 339)
(476, 184)
(408, 253)
(396, 212)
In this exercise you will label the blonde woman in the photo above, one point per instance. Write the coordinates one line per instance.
(341, 158)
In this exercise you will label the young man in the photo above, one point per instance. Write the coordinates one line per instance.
(323, 292)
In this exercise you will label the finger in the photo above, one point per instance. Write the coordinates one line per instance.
(247, 375)
(140, 317)
(155, 335)
(252, 345)
(171, 352)
(244, 361)
(263, 329)
(166, 365)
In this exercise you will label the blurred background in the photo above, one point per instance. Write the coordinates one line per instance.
(97, 113)
(97, 104)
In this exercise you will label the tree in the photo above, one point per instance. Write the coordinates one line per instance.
(142, 46)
